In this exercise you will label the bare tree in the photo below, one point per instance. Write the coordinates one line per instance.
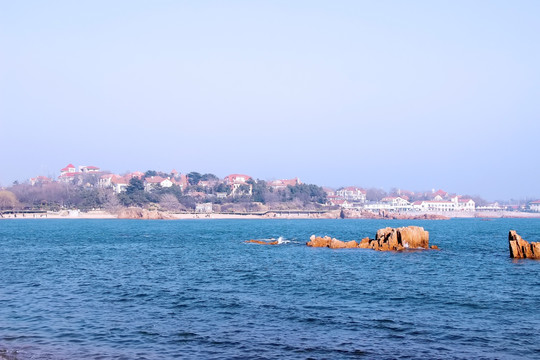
(374, 194)
(8, 200)
(170, 202)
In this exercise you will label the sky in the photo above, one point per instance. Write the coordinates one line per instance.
(392, 94)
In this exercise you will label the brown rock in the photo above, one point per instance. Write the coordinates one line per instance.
(319, 241)
(387, 239)
(351, 244)
(337, 244)
(262, 242)
(411, 237)
(434, 247)
(522, 249)
(364, 243)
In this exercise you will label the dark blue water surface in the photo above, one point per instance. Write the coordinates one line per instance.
(129, 289)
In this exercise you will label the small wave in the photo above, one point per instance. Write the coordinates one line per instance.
(281, 240)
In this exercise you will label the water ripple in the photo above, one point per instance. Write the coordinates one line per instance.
(192, 289)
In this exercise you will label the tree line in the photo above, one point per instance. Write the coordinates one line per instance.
(86, 195)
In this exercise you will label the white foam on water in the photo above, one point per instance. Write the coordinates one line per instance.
(280, 240)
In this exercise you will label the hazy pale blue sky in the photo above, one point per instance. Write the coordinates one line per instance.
(408, 94)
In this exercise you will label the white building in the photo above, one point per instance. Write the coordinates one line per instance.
(203, 208)
(153, 181)
(352, 193)
(465, 205)
(88, 169)
(535, 206)
(396, 203)
(455, 204)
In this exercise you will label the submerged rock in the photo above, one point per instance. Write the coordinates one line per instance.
(262, 242)
(522, 249)
(387, 239)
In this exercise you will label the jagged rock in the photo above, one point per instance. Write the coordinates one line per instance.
(364, 243)
(412, 237)
(387, 239)
(522, 249)
(332, 243)
(262, 242)
(338, 244)
(316, 241)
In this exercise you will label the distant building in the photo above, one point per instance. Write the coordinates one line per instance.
(68, 174)
(283, 183)
(439, 195)
(119, 183)
(466, 205)
(236, 179)
(396, 203)
(151, 182)
(334, 200)
(39, 180)
(238, 184)
(534, 206)
(490, 207)
(434, 206)
(88, 169)
(352, 193)
(454, 204)
(68, 169)
(203, 208)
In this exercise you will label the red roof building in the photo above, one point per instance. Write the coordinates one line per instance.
(237, 179)
(68, 169)
(283, 183)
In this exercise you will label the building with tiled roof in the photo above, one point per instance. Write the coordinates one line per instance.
(352, 193)
(236, 179)
(153, 181)
(283, 183)
(40, 180)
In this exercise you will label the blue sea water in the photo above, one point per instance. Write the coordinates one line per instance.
(131, 289)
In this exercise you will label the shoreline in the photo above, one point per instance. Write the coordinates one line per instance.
(103, 215)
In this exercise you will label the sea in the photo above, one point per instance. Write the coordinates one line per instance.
(193, 289)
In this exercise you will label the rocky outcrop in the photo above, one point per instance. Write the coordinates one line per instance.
(332, 243)
(138, 213)
(387, 239)
(262, 242)
(522, 249)
(411, 237)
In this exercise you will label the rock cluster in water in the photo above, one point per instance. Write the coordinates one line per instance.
(522, 249)
(387, 239)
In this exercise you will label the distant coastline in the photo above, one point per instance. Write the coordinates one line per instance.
(293, 214)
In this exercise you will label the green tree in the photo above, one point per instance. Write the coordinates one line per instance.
(194, 177)
(260, 190)
(209, 177)
(135, 185)
(150, 173)
(135, 194)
